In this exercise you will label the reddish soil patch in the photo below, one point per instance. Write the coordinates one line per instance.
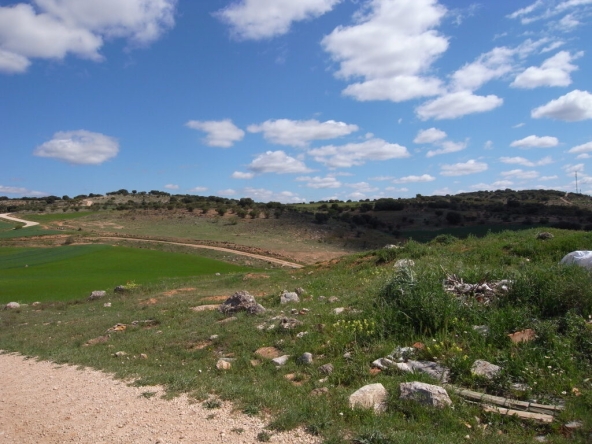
(177, 291)
(215, 298)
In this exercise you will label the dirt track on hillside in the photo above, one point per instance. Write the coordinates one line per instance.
(42, 403)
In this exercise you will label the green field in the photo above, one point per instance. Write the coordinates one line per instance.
(51, 217)
(71, 272)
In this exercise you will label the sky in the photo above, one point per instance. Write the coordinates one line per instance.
(295, 101)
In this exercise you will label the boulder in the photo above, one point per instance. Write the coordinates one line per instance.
(371, 396)
(223, 365)
(423, 393)
(288, 297)
(305, 359)
(281, 360)
(12, 306)
(485, 369)
(98, 294)
(241, 301)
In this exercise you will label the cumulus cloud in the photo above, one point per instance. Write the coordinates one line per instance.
(584, 148)
(548, 177)
(572, 107)
(241, 175)
(457, 104)
(578, 168)
(300, 133)
(553, 72)
(396, 69)
(21, 191)
(79, 147)
(264, 195)
(56, 28)
(197, 189)
(220, 133)
(488, 66)
(536, 142)
(320, 182)
(462, 169)
(415, 179)
(430, 135)
(171, 186)
(525, 162)
(277, 162)
(497, 185)
(520, 174)
(447, 147)
(261, 19)
(362, 187)
(227, 192)
(346, 156)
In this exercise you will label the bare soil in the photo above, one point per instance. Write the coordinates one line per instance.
(42, 403)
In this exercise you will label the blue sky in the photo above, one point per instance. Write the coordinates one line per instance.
(294, 101)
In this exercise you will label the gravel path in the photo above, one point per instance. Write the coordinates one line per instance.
(27, 223)
(43, 403)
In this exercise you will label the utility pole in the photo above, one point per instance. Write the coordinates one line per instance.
(576, 182)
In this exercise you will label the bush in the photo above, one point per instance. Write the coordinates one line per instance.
(453, 218)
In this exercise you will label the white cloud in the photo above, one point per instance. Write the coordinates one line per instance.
(241, 175)
(171, 186)
(300, 133)
(346, 156)
(447, 147)
(463, 169)
(527, 10)
(572, 107)
(525, 162)
(519, 125)
(415, 179)
(362, 187)
(574, 168)
(198, 189)
(493, 186)
(394, 69)
(536, 142)
(263, 195)
(61, 27)
(548, 177)
(584, 156)
(21, 191)
(220, 133)
(320, 182)
(430, 135)
(79, 147)
(261, 19)
(277, 162)
(553, 72)
(488, 66)
(457, 104)
(488, 145)
(584, 148)
(227, 192)
(520, 174)
(531, 13)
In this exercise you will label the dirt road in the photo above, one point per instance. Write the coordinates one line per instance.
(27, 223)
(42, 403)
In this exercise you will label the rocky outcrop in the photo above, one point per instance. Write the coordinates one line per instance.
(372, 396)
(426, 394)
(241, 301)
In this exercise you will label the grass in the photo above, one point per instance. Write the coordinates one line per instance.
(26, 232)
(69, 272)
(53, 217)
(387, 308)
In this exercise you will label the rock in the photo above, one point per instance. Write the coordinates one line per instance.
(289, 323)
(391, 247)
(402, 354)
(347, 355)
(98, 294)
(432, 369)
(485, 369)
(326, 369)
(544, 235)
(268, 352)
(383, 363)
(35, 304)
(225, 321)
(300, 291)
(481, 329)
(338, 310)
(120, 289)
(573, 425)
(107, 304)
(204, 308)
(99, 340)
(223, 365)
(241, 301)
(522, 336)
(120, 354)
(281, 360)
(213, 337)
(404, 263)
(301, 334)
(289, 297)
(12, 306)
(319, 391)
(372, 396)
(143, 356)
(423, 393)
(305, 359)
(333, 299)
(117, 328)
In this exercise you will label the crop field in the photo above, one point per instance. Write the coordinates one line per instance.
(52, 217)
(72, 272)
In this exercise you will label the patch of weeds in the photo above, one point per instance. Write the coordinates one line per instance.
(373, 438)
(148, 395)
(238, 430)
(211, 416)
(251, 410)
(263, 437)
(212, 404)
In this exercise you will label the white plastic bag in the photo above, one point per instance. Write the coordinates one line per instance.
(581, 258)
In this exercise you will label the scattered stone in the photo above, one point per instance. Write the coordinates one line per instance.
(99, 340)
(217, 274)
(268, 352)
(481, 329)
(372, 396)
(320, 391)
(540, 438)
(255, 362)
(143, 356)
(230, 319)
(120, 354)
(117, 328)
(338, 310)
(289, 297)
(485, 369)
(301, 334)
(402, 354)
(281, 360)
(300, 291)
(404, 263)
(432, 369)
(304, 311)
(98, 294)
(383, 363)
(522, 336)
(519, 387)
(289, 323)
(333, 299)
(375, 371)
(12, 306)
(223, 364)
(213, 337)
(327, 369)
(296, 379)
(418, 345)
(120, 289)
(483, 292)
(305, 359)
(205, 308)
(424, 393)
(241, 301)
(35, 304)
(107, 304)
(544, 235)
(391, 247)
(573, 425)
